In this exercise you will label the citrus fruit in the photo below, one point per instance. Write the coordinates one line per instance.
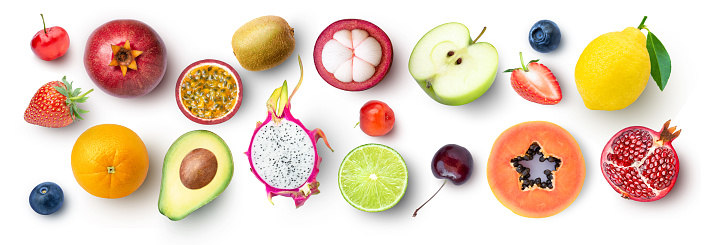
(613, 70)
(373, 177)
(109, 161)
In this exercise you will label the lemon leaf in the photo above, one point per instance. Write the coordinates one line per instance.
(660, 61)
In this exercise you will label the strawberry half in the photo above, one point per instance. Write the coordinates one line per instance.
(536, 83)
(54, 105)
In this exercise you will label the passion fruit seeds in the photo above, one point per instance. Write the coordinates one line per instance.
(209, 92)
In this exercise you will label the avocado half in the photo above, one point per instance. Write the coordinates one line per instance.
(197, 168)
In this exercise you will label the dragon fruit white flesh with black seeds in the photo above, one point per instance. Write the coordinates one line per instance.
(283, 153)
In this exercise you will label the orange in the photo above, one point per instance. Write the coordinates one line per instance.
(109, 161)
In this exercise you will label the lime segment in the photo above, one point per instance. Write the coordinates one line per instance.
(373, 177)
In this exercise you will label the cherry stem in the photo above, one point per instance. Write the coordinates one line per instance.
(480, 35)
(44, 24)
(357, 124)
(426, 202)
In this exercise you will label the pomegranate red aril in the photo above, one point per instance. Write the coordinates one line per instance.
(641, 164)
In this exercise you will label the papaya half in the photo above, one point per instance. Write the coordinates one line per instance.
(536, 196)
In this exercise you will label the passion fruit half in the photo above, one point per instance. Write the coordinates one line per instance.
(353, 54)
(209, 92)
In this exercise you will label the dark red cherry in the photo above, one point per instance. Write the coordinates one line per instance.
(451, 162)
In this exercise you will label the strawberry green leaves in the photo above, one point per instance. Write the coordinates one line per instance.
(659, 58)
(73, 97)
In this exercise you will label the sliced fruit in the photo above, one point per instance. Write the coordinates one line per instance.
(209, 92)
(641, 164)
(535, 83)
(353, 54)
(197, 168)
(451, 67)
(509, 176)
(373, 177)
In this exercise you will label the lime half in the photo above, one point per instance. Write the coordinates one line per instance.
(373, 177)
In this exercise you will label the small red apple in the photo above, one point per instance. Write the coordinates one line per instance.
(50, 43)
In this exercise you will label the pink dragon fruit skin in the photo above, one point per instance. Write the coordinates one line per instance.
(310, 187)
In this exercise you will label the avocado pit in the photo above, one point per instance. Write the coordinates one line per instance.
(198, 168)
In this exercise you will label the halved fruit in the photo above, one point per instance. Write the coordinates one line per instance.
(353, 54)
(209, 92)
(509, 176)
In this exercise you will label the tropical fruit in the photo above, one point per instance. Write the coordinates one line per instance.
(197, 168)
(613, 70)
(109, 161)
(283, 153)
(510, 178)
(209, 92)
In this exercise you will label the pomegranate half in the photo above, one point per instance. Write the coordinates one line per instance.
(209, 92)
(125, 58)
(640, 163)
(353, 54)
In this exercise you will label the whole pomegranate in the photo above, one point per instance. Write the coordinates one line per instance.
(125, 58)
(640, 163)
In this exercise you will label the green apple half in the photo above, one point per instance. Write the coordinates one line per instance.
(452, 68)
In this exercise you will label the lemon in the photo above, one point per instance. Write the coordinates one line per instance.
(613, 70)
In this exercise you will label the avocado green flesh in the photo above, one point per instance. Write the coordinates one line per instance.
(177, 201)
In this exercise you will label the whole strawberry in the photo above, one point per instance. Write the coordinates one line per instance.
(535, 83)
(54, 105)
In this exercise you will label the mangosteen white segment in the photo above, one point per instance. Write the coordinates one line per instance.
(351, 55)
(334, 54)
(344, 72)
(344, 37)
(358, 36)
(364, 70)
(369, 50)
(283, 154)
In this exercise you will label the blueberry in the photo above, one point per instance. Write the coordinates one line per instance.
(46, 198)
(544, 36)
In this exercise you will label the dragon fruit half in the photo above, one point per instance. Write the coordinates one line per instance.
(283, 153)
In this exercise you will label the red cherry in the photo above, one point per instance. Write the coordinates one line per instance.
(50, 43)
(376, 118)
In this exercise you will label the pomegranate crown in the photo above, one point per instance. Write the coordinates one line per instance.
(667, 134)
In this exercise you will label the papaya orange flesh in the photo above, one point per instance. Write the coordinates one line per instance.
(535, 202)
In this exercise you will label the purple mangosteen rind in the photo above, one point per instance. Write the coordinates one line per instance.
(351, 24)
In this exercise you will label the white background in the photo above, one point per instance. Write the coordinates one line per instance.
(470, 214)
